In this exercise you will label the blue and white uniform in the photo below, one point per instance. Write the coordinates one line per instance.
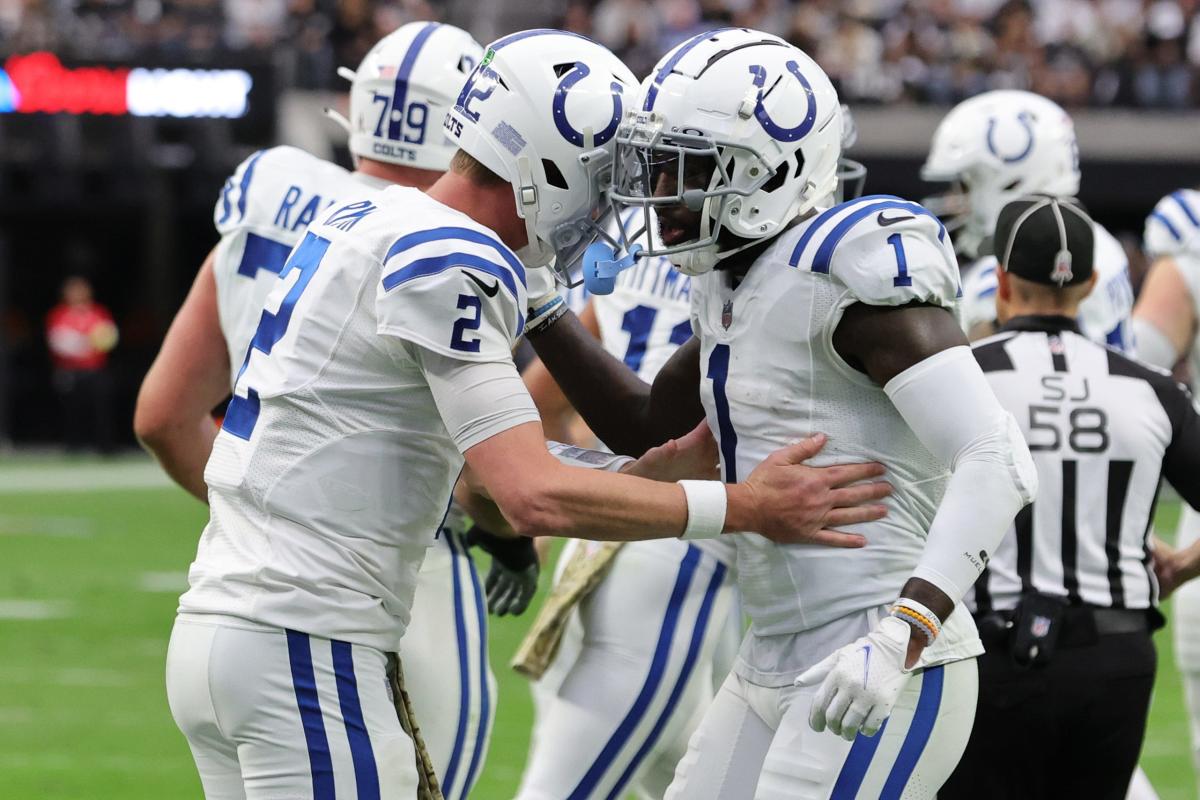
(1104, 315)
(642, 654)
(1173, 229)
(328, 484)
(772, 376)
(263, 211)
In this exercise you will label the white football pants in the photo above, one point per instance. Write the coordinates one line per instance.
(446, 670)
(281, 715)
(755, 742)
(1185, 622)
(617, 706)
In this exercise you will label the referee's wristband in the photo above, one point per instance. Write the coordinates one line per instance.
(706, 503)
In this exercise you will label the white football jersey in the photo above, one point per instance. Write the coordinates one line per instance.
(333, 467)
(648, 314)
(644, 321)
(772, 377)
(263, 211)
(1103, 315)
(1173, 229)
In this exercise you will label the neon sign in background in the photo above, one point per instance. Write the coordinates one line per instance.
(39, 83)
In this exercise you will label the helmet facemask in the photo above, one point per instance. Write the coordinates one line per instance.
(658, 170)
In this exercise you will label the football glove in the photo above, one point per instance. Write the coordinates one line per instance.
(859, 683)
(513, 577)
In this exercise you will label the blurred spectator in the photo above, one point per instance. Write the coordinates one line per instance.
(80, 333)
(1079, 52)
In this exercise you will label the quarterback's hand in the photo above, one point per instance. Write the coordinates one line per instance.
(690, 457)
(799, 504)
(859, 683)
(513, 577)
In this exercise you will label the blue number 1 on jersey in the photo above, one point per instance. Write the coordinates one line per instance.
(242, 414)
(718, 370)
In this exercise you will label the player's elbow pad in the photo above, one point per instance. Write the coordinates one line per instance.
(993, 475)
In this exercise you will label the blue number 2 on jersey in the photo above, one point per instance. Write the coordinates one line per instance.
(242, 414)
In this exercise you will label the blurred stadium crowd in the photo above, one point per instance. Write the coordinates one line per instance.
(1132, 53)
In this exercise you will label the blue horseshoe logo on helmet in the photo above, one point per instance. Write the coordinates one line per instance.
(578, 73)
(764, 119)
(1026, 120)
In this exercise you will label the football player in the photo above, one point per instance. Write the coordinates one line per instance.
(809, 317)
(398, 97)
(381, 359)
(996, 147)
(1166, 324)
(641, 655)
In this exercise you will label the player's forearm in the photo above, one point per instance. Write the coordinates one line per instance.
(992, 473)
(606, 506)
(614, 402)
(183, 449)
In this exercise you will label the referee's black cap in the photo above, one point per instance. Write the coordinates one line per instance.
(1045, 240)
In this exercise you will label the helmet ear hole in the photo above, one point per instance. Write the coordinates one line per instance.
(554, 175)
(799, 164)
(776, 180)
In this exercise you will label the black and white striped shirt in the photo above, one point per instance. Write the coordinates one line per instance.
(1104, 430)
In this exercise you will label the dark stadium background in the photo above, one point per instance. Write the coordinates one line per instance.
(127, 201)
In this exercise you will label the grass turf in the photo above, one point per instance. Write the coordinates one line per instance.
(88, 587)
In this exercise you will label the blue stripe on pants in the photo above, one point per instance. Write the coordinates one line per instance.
(485, 691)
(685, 672)
(854, 769)
(928, 705)
(641, 703)
(464, 677)
(366, 776)
(305, 684)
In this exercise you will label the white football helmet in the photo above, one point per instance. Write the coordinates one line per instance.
(401, 92)
(541, 110)
(999, 146)
(1173, 227)
(751, 121)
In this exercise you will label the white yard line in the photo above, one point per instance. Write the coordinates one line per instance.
(82, 477)
(11, 609)
(53, 527)
(166, 582)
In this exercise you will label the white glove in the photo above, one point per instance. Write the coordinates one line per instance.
(541, 287)
(861, 681)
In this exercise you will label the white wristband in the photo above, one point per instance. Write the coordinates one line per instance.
(706, 502)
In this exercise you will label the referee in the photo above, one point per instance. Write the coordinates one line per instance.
(1066, 604)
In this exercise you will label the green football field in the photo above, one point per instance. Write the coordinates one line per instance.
(93, 556)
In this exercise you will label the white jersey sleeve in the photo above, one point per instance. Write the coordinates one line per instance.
(885, 252)
(1173, 226)
(979, 286)
(455, 291)
(1104, 314)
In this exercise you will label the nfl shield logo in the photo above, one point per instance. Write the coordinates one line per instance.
(727, 315)
(1041, 626)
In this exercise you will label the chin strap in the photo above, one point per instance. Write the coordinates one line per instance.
(534, 253)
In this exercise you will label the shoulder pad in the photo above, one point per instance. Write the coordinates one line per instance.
(458, 291)
(275, 188)
(885, 250)
(1174, 225)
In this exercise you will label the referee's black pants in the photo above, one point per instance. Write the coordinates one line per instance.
(1070, 729)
